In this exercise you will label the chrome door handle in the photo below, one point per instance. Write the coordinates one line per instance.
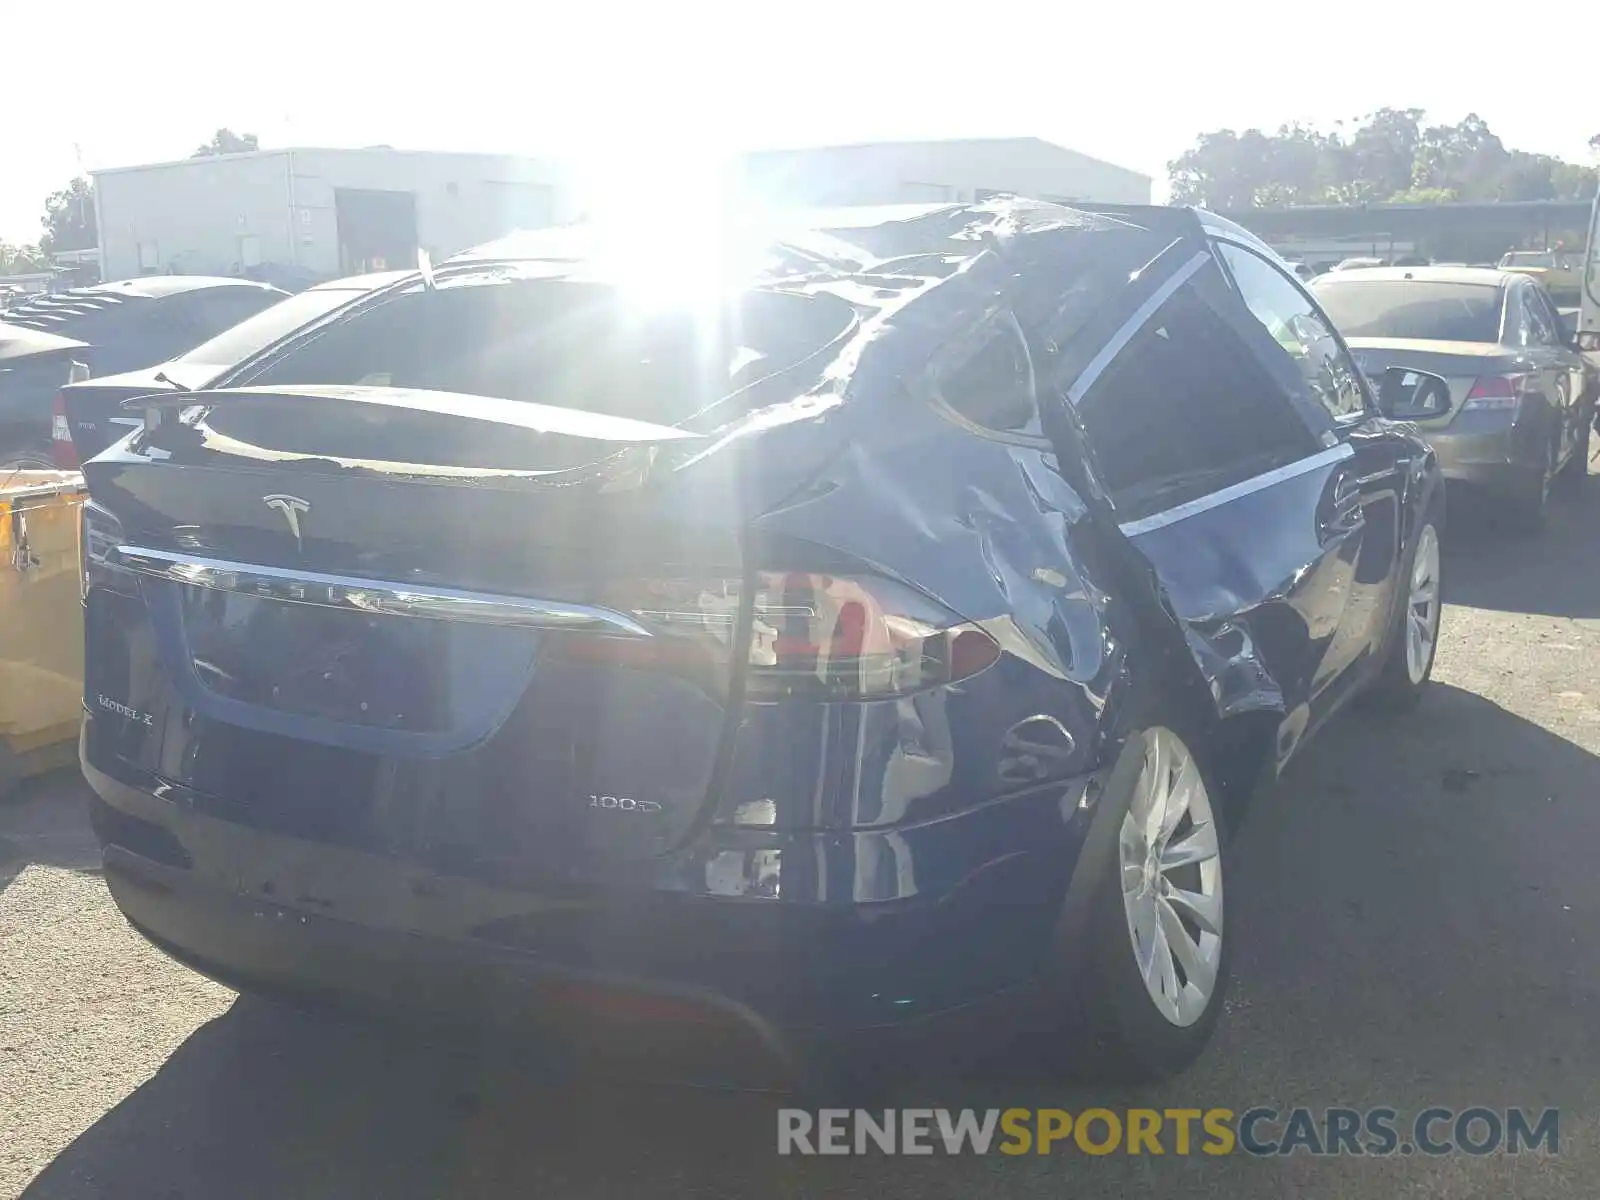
(1346, 502)
(1346, 493)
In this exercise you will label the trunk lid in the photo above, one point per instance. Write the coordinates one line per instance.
(339, 630)
(1461, 364)
(94, 407)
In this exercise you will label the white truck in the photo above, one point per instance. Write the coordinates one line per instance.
(1589, 301)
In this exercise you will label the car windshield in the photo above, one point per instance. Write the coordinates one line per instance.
(239, 342)
(1528, 260)
(1448, 312)
(581, 346)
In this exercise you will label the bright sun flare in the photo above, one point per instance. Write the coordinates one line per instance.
(671, 224)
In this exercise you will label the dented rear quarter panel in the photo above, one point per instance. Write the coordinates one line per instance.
(1281, 608)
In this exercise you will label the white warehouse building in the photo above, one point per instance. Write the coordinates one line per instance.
(298, 216)
(308, 214)
(968, 169)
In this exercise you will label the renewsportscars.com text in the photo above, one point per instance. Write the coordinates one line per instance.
(1260, 1131)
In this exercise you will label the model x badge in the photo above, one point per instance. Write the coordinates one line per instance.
(291, 507)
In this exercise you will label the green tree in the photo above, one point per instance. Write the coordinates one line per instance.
(1386, 156)
(69, 218)
(226, 141)
(1427, 195)
(1382, 151)
(1572, 182)
(1300, 164)
(1521, 177)
(1224, 170)
(22, 260)
(1468, 157)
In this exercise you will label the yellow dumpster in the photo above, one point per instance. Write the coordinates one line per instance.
(41, 622)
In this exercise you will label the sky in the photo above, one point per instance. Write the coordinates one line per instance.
(669, 85)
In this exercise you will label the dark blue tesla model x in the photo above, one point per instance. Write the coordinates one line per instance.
(879, 638)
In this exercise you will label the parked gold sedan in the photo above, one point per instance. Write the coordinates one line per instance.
(1521, 396)
(1561, 273)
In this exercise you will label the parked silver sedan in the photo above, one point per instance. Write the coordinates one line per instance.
(1517, 413)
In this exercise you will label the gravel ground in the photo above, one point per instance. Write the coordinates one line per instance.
(1414, 910)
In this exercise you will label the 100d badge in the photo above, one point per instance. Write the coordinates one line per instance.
(624, 804)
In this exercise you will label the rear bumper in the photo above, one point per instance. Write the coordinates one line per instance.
(1507, 462)
(599, 969)
(463, 990)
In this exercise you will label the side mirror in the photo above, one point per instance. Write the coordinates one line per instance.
(1588, 341)
(1407, 395)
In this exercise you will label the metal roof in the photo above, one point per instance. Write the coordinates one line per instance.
(1483, 276)
(780, 154)
(353, 151)
(1512, 220)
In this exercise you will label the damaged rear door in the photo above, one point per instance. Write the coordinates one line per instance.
(1252, 520)
(1369, 485)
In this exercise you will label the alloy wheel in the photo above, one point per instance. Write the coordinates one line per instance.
(1422, 607)
(1171, 864)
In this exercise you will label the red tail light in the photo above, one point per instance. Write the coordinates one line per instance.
(66, 455)
(1495, 393)
(812, 636)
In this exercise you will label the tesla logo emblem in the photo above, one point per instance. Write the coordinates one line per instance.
(291, 507)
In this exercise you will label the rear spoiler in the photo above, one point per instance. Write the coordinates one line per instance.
(494, 410)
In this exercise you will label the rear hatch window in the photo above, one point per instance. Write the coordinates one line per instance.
(1401, 308)
(571, 345)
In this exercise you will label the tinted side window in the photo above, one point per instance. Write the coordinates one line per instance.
(387, 345)
(1520, 327)
(989, 381)
(215, 309)
(1541, 323)
(129, 335)
(1185, 410)
(168, 328)
(1297, 326)
(104, 322)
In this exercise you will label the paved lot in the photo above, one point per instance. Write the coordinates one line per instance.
(1416, 913)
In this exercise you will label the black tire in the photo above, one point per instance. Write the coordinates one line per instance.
(1109, 1026)
(10, 771)
(1576, 471)
(1530, 506)
(26, 454)
(1396, 687)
